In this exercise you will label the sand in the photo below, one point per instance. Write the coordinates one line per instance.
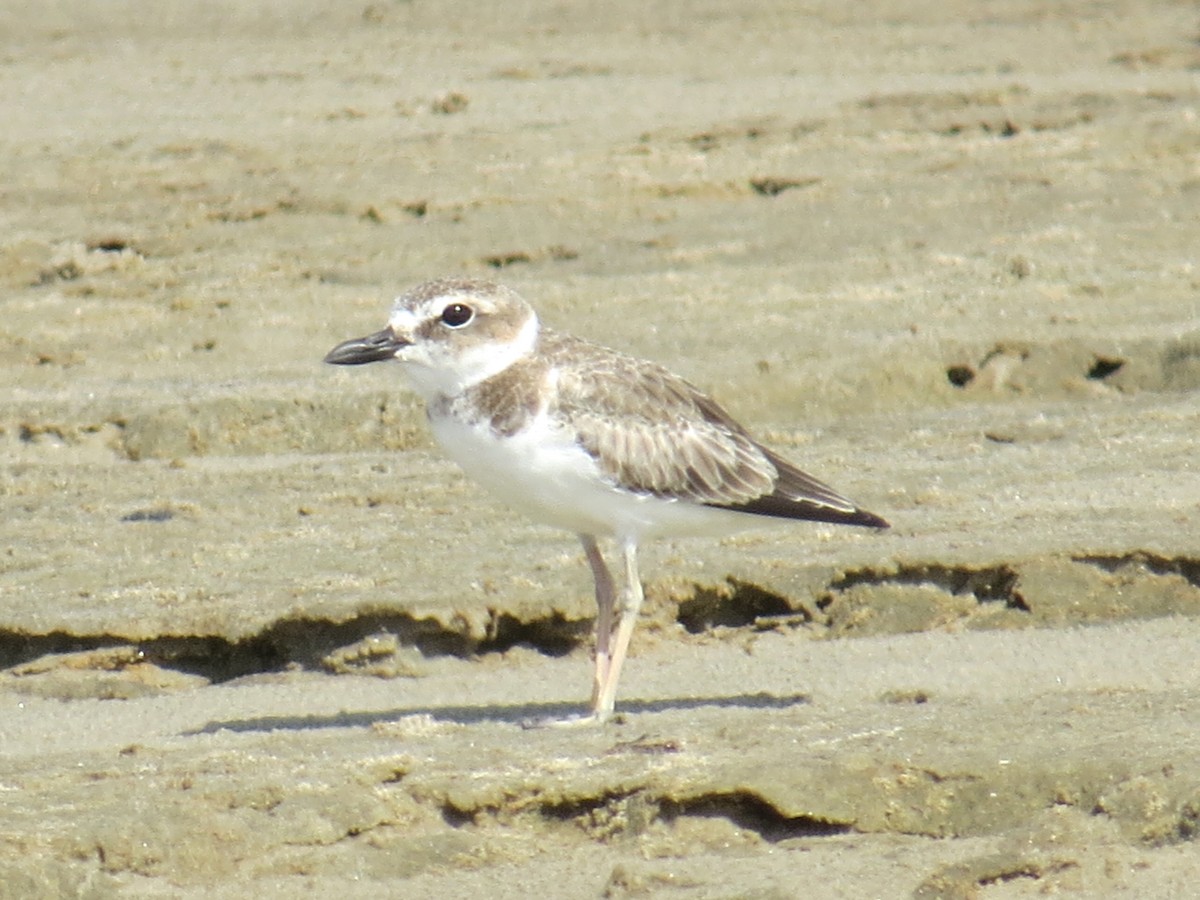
(259, 638)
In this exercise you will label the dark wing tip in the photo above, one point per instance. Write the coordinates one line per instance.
(781, 507)
(798, 495)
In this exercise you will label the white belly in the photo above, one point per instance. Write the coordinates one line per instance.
(544, 474)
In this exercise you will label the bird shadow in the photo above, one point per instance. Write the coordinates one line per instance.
(519, 715)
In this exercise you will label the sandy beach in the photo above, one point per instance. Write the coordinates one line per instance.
(259, 638)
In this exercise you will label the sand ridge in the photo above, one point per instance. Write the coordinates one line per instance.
(257, 636)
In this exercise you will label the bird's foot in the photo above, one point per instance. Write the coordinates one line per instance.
(580, 720)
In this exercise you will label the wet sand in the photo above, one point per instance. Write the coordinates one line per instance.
(258, 637)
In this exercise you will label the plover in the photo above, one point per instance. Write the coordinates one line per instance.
(587, 439)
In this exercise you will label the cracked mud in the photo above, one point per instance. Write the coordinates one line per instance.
(258, 638)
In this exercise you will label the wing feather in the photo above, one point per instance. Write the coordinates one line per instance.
(652, 432)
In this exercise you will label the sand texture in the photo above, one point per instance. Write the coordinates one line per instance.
(259, 639)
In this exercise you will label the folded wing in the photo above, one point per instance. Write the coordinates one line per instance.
(652, 432)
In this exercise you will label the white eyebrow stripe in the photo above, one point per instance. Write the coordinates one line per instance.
(403, 320)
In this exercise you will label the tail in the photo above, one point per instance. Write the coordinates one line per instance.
(798, 495)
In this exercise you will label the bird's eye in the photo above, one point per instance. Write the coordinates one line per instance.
(456, 315)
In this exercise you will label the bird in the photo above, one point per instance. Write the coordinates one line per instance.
(587, 439)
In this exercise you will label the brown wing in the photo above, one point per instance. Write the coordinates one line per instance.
(654, 433)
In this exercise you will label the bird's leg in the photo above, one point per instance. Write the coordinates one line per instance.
(605, 602)
(614, 628)
(605, 697)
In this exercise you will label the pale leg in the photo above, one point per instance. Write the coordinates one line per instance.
(613, 633)
(606, 606)
(627, 615)
(605, 602)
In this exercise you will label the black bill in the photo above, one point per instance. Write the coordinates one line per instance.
(372, 348)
